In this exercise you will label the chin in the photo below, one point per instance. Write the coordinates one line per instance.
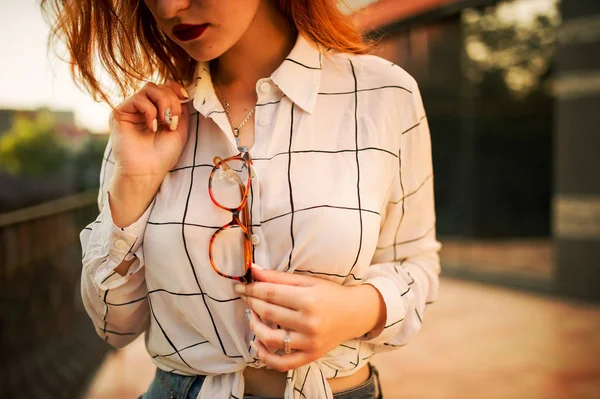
(205, 53)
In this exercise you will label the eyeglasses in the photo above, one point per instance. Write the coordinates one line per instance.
(229, 187)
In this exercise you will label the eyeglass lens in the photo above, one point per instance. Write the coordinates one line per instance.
(229, 183)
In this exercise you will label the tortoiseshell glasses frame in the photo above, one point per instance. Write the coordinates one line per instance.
(244, 222)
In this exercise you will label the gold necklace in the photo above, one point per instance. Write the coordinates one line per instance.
(236, 130)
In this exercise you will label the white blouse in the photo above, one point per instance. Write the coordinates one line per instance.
(342, 190)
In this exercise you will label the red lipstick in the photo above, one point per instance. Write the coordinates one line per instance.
(185, 32)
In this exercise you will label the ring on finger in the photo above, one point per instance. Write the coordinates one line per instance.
(168, 115)
(287, 342)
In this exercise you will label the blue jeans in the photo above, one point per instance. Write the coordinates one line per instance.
(175, 386)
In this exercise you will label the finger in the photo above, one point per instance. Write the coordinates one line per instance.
(290, 297)
(253, 349)
(180, 91)
(181, 106)
(275, 314)
(273, 338)
(173, 90)
(255, 315)
(284, 362)
(144, 106)
(274, 276)
(163, 99)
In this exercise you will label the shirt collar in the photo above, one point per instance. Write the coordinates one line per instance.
(298, 77)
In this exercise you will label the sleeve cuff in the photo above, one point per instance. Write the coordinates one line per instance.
(123, 243)
(395, 307)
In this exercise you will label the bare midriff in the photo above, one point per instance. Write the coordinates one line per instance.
(269, 383)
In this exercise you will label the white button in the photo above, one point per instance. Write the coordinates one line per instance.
(265, 87)
(264, 121)
(120, 244)
(255, 239)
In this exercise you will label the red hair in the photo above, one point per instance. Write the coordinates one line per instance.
(124, 37)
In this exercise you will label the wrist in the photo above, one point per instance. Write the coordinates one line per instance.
(369, 310)
(130, 197)
(150, 179)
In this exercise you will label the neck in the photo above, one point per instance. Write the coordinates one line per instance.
(253, 57)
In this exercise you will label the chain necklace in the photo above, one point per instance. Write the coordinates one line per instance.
(236, 130)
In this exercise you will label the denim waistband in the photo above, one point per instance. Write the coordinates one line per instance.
(166, 385)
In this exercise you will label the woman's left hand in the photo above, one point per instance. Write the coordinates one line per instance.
(318, 313)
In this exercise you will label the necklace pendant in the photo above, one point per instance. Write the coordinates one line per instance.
(236, 132)
(240, 148)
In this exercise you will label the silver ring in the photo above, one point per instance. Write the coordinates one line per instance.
(248, 314)
(168, 115)
(287, 342)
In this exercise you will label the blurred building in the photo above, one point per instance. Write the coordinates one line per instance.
(511, 89)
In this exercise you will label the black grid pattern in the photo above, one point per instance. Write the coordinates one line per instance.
(346, 194)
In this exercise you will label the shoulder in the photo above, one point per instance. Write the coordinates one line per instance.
(377, 70)
(385, 90)
(390, 91)
(372, 72)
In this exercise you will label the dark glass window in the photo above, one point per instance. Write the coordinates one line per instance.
(485, 76)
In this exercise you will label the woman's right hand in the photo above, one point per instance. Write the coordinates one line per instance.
(144, 145)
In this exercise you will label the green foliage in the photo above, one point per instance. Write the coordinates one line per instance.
(30, 147)
(506, 47)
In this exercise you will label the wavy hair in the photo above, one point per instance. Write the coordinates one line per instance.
(125, 38)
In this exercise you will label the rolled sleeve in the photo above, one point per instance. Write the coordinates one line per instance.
(395, 310)
(120, 243)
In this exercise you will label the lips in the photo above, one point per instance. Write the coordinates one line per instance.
(185, 32)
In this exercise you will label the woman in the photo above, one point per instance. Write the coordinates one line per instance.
(331, 179)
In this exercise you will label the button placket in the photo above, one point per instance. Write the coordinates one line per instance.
(265, 116)
(263, 121)
(257, 236)
(260, 135)
(266, 92)
(265, 87)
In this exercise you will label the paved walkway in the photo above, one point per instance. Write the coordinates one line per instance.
(519, 258)
(478, 342)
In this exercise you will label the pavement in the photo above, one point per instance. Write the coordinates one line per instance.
(477, 341)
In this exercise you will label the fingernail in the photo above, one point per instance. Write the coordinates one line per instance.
(174, 121)
(154, 125)
(184, 92)
(254, 265)
(248, 314)
(244, 297)
(240, 288)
